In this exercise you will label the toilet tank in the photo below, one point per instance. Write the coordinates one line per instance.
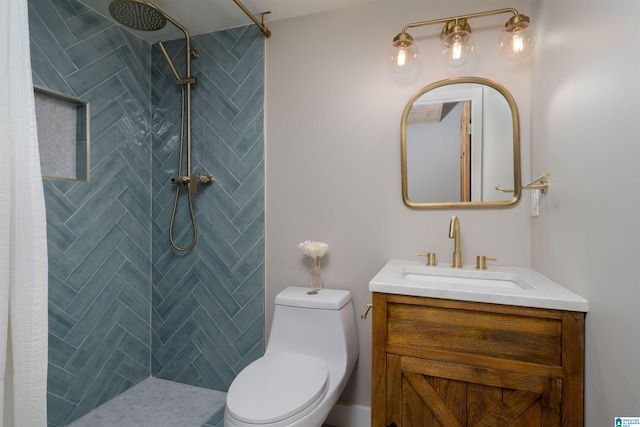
(320, 325)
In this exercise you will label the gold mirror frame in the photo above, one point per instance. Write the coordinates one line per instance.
(517, 190)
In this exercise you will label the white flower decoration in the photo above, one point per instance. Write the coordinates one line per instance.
(313, 249)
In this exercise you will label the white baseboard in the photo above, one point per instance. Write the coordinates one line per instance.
(345, 415)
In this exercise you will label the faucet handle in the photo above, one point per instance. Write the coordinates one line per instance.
(481, 262)
(431, 258)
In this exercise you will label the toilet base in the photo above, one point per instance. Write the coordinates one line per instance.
(311, 420)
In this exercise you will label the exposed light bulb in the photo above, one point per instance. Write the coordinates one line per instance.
(517, 44)
(456, 51)
(403, 60)
(515, 41)
(459, 51)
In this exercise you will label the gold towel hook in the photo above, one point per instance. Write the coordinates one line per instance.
(541, 183)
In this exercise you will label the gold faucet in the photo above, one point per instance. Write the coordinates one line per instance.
(454, 233)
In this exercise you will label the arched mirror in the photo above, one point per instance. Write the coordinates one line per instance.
(460, 146)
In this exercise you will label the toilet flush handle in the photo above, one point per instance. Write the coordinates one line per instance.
(364, 315)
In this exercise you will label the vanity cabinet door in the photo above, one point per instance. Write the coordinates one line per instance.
(428, 393)
(445, 363)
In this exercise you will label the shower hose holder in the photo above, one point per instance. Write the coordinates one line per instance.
(186, 81)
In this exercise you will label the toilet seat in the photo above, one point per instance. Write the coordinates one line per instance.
(277, 386)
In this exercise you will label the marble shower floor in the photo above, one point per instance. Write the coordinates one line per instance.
(158, 403)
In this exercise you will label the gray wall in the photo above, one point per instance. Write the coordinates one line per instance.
(333, 154)
(107, 238)
(340, 183)
(587, 236)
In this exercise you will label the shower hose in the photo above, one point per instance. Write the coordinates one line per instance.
(178, 185)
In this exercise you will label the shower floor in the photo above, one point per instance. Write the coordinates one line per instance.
(159, 403)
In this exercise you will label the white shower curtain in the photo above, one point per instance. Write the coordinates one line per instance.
(23, 241)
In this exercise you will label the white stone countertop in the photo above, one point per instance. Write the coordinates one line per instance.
(496, 285)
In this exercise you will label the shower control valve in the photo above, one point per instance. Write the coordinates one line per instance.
(193, 180)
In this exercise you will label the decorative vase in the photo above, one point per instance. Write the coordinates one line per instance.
(316, 275)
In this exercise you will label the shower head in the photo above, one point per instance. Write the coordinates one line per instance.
(146, 16)
(138, 14)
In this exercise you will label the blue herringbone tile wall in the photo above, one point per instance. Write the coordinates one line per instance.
(108, 238)
(99, 232)
(208, 304)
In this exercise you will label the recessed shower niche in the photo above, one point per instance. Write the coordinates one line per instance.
(63, 135)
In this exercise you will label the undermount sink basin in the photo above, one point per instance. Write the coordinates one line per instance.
(465, 277)
(497, 285)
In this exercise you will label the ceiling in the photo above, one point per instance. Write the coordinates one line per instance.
(206, 16)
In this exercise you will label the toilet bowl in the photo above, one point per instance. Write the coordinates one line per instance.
(311, 352)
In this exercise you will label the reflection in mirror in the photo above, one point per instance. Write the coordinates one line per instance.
(459, 141)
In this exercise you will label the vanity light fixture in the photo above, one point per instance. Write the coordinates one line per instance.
(458, 48)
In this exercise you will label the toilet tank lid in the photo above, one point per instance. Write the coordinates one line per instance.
(327, 299)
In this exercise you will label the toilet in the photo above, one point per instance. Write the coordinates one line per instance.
(311, 352)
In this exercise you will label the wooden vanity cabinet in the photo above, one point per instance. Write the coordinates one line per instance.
(448, 363)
